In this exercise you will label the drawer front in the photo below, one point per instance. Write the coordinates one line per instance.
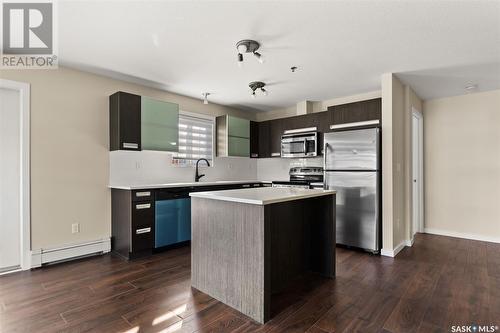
(142, 238)
(143, 214)
(143, 217)
(142, 195)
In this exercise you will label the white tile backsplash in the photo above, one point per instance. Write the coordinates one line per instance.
(151, 167)
(278, 168)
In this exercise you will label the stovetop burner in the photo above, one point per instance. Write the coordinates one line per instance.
(302, 177)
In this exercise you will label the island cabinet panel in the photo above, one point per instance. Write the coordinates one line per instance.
(243, 253)
(322, 236)
(302, 239)
(228, 249)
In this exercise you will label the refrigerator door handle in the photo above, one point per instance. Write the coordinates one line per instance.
(325, 149)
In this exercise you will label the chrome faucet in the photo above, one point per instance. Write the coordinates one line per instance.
(197, 176)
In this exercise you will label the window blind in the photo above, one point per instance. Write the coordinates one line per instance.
(195, 138)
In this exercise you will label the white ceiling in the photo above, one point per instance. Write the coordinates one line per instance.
(340, 47)
(452, 81)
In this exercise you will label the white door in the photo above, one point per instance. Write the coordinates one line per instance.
(10, 180)
(417, 164)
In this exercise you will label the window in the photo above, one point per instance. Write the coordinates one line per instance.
(195, 139)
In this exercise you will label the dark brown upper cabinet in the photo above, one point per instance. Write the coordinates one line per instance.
(254, 139)
(276, 128)
(124, 121)
(357, 111)
(140, 122)
(323, 120)
(264, 139)
(320, 120)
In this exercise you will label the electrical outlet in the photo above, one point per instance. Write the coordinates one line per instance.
(75, 228)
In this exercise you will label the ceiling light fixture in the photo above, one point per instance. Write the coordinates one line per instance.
(257, 85)
(205, 97)
(248, 46)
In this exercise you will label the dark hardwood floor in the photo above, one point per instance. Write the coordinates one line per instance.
(438, 282)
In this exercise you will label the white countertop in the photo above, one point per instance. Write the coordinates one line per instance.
(168, 185)
(262, 195)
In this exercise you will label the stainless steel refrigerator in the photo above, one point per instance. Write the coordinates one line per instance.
(352, 168)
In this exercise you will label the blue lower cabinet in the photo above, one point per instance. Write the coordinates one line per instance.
(172, 221)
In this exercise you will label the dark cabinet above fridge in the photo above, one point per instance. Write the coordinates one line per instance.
(356, 112)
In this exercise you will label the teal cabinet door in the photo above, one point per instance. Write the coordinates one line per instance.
(159, 125)
(239, 146)
(238, 127)
(172, 221)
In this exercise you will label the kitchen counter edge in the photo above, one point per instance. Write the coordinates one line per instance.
(180, 185)
(298, 195)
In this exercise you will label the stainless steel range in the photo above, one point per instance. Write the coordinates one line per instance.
(303, 177)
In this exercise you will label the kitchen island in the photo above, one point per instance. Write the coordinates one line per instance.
(249, 244)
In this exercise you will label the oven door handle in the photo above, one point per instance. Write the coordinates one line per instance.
(305, 146)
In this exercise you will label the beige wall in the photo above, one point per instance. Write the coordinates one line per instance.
(69, 150)
(316, 106)
(462, 165)
(397, 103)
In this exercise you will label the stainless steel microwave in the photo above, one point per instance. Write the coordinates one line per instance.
(300, 143)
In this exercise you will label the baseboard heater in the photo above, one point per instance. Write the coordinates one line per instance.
(69, 252)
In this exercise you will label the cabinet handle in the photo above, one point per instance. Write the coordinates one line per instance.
(130, 145)
(142, 194)
(143, 231)
(276, 154)
(246, 185)
(356, 124)
(143, 206)
(254, 155)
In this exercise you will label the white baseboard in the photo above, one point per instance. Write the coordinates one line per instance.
(462, 235)
(394, 252)
(409, 242)
(69, 252)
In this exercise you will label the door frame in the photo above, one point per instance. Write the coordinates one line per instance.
(25, 181)
(418, 226)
